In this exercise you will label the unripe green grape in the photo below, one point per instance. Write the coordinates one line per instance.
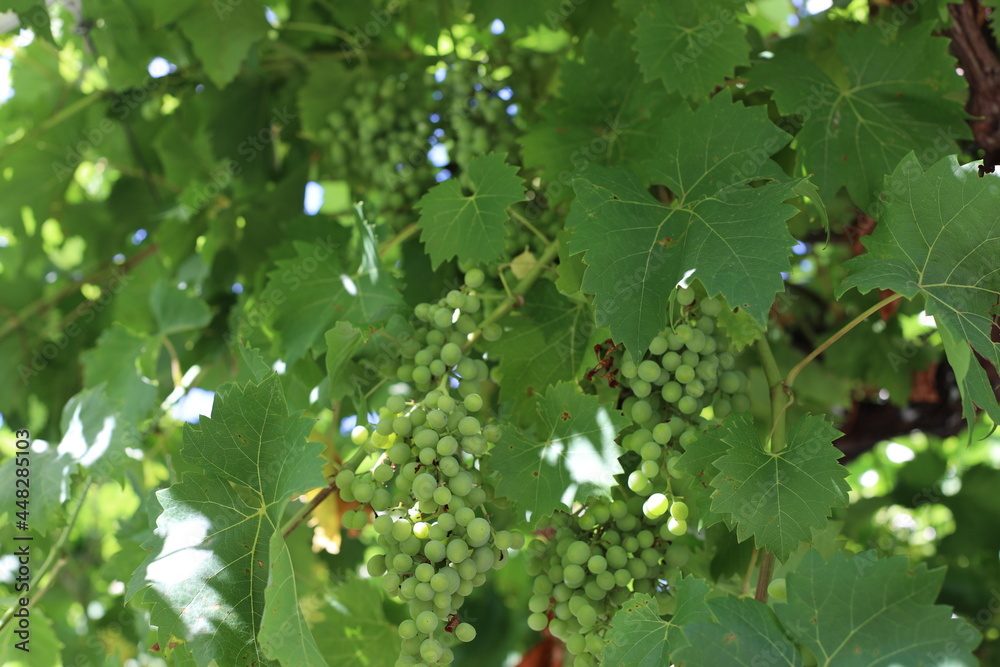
(677, 526)
(687, 405)
(344, 479)
(679, 510)
(538, 621)
(402, 562)
(450, 354)
(684, 374)
(655, 505)
(573, 575)
(648, 370)
(670, 361)
(637, 481)
(641, 388)
(442, 495)
(676, 555)
(684, 333)
(689, 358)
(492, 332)
(362, 491)
(729, 382)
(778, 589)
(400, 531)
(423, 572)
(465, 632)
(473, 402)
(408, 629)
(650, 469)
(710, 307)
(576, 643)
(661, 433)
(477, 532)
(685, 296)
(421, 375)
(424, 357)
(431, 649)
(474, 278)
(359, 435)
(672, 392)
(468, 426)
(629, 369)
(695, 388)
(492, 433)
(443, 318)
(435, 551)
(722, 408)
(446, 404)
(658, 345)
(651, 451)
(577, 552)
(697, 342)
(641, 412)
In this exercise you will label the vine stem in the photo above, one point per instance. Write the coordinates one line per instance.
(402, 235)
(527, 223)
(776, 443)
(551, 252)
(54, 561)
(776, 440)
(794, 373)
(352, 463)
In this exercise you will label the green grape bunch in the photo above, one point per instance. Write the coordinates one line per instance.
(422, 486)
(586, 564)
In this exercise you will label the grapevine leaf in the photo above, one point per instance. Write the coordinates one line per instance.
(691, 593)
(571, 267)
(211, 555)
(697, 460)
(939, 237)
(470, 225)
(743, 630)
(732, 235)
(114, 361)
(546, 343)
(866, 105)
(315, 292)
(871, 612)
(740, 328)
(222, 34)
(175, 310)
(603, 112)
(254, 367)
(777, 498)
(690, 47)
(342, 341)
(356, 632)
(284, 633)
(574, 455)
(637, 636)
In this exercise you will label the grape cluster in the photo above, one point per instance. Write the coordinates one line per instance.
(425, 488)
(685, 371)
(379, 135)
(475, 111)
(588, 564)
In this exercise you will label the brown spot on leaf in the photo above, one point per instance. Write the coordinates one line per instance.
(564, 416)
